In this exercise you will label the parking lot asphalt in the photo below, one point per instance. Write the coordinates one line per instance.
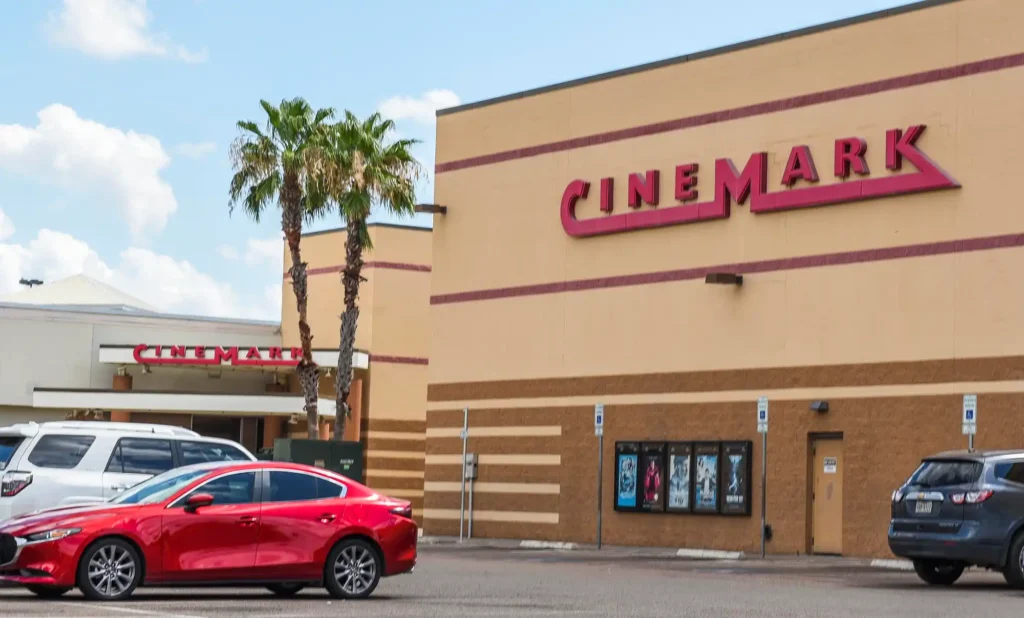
(495, 583)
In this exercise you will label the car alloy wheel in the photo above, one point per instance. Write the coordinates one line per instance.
(110, 570)
(353, 570)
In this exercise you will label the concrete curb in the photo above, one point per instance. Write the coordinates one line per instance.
(709, 554)
(548, 545)
(893, 565)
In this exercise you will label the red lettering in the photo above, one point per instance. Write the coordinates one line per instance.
(686, 179)
(296, 353)
(800, 165)
(275, 354)
(731, 184)
(137, 352)
(850, 153)
(177, 351)
(643, 189)
(575, 190)
(898, 143)
(159, 350)
(225, 354)
(200, 351)
(607, 185)
(254, 353)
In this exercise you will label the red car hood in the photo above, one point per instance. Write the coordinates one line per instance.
(61, 516)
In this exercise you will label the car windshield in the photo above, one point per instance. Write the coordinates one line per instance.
(160, 487)
(939, 473)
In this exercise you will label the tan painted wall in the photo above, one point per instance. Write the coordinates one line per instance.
(935, 307)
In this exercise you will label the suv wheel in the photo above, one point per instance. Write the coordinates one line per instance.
(1014, 569)
(110, 570)
(937, 572)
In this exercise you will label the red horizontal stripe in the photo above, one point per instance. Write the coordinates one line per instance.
(747, 111)
(742, 268)
(401, 360)
(326, 270)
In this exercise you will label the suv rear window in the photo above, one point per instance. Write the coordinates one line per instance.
(63, 452)
(8, 445)
(203, 452)
(939, 473)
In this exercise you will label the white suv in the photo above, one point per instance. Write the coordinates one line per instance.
(52, 464)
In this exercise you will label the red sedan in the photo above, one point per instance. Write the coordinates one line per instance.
(278, 525)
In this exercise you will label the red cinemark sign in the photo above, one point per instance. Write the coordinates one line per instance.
(751, 185)
(216, 355)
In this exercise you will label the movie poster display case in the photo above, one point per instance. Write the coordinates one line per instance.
(707, 468)
(627, 464)
(652, 477)
(679, 497)
(735, 478)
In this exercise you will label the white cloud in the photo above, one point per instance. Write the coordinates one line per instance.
(420, 109)
(195, 151)
(6, 226)
(171, 285)
(113, 29)
(82, 154)
(258, 252)
(228, 252)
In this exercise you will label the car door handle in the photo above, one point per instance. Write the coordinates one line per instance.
(247, 521)
(327, 518)
(119, 487)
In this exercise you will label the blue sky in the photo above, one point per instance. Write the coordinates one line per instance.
(117, 114)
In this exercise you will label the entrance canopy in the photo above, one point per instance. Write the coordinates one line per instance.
(271, 404)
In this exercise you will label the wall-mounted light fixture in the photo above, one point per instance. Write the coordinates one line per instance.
(821, 407)
(724, 278)
(432, 208)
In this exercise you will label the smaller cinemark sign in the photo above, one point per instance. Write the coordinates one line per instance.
(216, 355)
(799, 182)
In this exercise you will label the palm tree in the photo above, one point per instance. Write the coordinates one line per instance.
(377, 172)
(285, 162)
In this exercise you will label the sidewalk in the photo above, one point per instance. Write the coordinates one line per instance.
(688, 554)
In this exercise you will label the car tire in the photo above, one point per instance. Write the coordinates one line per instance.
(937, 572)
(110, 570)
(353, 569)
(1013, 572)
(48, 592)
(285, 590)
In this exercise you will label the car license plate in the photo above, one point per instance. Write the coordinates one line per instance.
(923, 507)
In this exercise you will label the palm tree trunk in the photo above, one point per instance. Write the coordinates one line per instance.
(351, 277)
(291, 224)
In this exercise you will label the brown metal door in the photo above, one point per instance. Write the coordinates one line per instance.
(827, 497)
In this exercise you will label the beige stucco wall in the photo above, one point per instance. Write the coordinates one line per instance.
(503, 227)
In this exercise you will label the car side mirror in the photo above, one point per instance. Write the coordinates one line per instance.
(197, 501)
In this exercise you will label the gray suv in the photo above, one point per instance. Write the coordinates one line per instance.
(962, 509)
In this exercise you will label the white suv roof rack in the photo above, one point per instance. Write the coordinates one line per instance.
(167, 430)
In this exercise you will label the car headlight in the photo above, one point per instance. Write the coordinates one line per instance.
(51, 535)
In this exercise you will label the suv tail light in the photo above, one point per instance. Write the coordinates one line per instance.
(971, 497)
(13, 483)
(897, 496)
(403, 511)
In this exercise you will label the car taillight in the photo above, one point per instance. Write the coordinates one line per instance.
(971, 497)
(897, 496)
(403, 511)
(14, 482)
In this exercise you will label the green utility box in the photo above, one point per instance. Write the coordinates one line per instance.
(342, 457)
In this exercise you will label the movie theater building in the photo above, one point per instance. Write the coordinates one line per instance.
(78, 349)
(389, 391)
(826, 218)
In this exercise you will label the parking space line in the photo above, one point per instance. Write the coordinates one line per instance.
(136, 612)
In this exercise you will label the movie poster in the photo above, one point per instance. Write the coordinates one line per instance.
(627, 461)
(736, 478)
(706, 470)
(680, 460)
(652, 463)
